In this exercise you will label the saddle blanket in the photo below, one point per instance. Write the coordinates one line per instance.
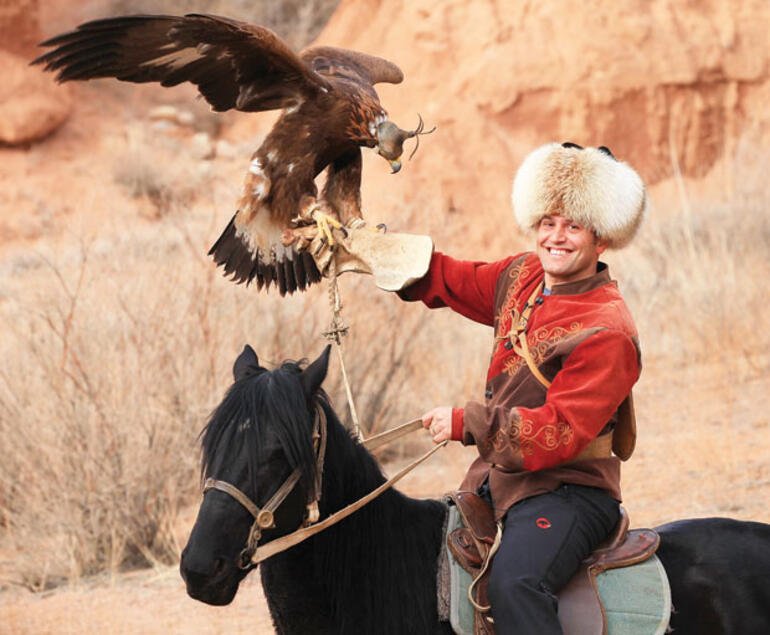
(637, 599)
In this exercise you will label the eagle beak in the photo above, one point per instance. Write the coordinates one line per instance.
(395, 166)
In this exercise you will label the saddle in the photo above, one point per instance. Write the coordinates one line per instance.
(581, 611)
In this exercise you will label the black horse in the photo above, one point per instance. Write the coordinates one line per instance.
(375, 572)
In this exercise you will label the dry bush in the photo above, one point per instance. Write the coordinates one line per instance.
(98, 413)
(696, 277)
(156, 168)
(110, 371)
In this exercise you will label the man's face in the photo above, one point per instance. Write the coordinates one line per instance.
(567, 251)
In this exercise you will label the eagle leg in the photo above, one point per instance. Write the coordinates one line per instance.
(326, 223)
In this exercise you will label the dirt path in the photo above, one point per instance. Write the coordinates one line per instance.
(138, 603)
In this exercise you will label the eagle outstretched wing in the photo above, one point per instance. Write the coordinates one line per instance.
(235, 65)
(330, 110)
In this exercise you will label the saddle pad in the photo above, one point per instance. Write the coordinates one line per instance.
(460, 609)
(637, 599)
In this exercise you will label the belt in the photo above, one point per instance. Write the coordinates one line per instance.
(599, 448)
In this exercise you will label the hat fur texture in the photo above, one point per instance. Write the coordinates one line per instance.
(586, 185)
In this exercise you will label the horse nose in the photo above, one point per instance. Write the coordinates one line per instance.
(200, 569)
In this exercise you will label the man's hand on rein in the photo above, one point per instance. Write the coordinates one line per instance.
(438, 422)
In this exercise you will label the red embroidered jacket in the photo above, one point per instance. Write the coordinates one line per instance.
(582, 338)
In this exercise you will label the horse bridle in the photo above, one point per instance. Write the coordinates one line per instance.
(264, 518)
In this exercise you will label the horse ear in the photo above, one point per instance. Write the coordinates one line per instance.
(313, 376)
(247, 362)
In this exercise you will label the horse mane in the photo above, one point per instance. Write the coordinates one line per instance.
(392, 540)
(263, 400)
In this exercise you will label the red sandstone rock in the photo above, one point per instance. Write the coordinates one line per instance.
(662, 83)
(32, 106)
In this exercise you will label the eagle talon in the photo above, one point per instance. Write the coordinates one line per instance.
(326, 223)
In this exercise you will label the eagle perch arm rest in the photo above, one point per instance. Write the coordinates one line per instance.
(395, 260)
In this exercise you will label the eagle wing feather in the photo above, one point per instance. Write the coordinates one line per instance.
(235, 65)
(363, 69)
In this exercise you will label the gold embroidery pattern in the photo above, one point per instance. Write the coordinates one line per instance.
(500, 442)
(520, 435)
(517, 275)
(540, 342)
(548, 438)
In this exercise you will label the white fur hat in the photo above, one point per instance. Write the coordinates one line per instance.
(586, 185)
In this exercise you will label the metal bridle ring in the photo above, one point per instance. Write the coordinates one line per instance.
(265, 519)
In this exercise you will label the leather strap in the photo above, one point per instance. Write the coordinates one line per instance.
(224, 486)
(263, 517)
(599, 448)
(518, 336)
(281, 544)
(523, 351)
(487, 561)
(377, 440)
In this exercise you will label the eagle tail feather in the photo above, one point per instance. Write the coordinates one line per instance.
(312, 274)
(291, 281)
(242, 264)
(299, 272)
(288, 269)
(280, 277)
(254, 274)
(268, 273)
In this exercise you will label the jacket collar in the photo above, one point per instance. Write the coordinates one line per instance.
(600, 278)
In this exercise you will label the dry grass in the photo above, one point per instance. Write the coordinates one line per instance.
(110, 370)
(697, 281)
(117, 342)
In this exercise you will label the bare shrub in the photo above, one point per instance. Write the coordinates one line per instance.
(696, 276)
(110, 371)
(97, 412)
(156, 168)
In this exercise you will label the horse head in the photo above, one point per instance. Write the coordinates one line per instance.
(257, 442)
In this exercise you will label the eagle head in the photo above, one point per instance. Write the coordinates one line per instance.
(390, 141)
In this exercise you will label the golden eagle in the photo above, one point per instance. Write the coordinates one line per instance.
(330, 110)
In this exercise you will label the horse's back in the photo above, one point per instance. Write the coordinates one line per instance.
(719, 571)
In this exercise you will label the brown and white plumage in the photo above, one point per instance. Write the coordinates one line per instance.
(330, 110)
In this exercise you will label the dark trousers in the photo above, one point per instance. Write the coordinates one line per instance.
(545, 538)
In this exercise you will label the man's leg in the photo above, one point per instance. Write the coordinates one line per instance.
(544, 540)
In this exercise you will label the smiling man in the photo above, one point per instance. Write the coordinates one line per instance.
(557, 416)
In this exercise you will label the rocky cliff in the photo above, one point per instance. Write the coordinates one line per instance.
(666, 85)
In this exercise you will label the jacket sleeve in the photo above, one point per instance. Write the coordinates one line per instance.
(466, 287)
(593, 381)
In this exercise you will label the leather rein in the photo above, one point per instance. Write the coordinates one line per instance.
(264, 518)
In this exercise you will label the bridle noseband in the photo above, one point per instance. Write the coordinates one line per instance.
(253, 553)
(264, 518)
